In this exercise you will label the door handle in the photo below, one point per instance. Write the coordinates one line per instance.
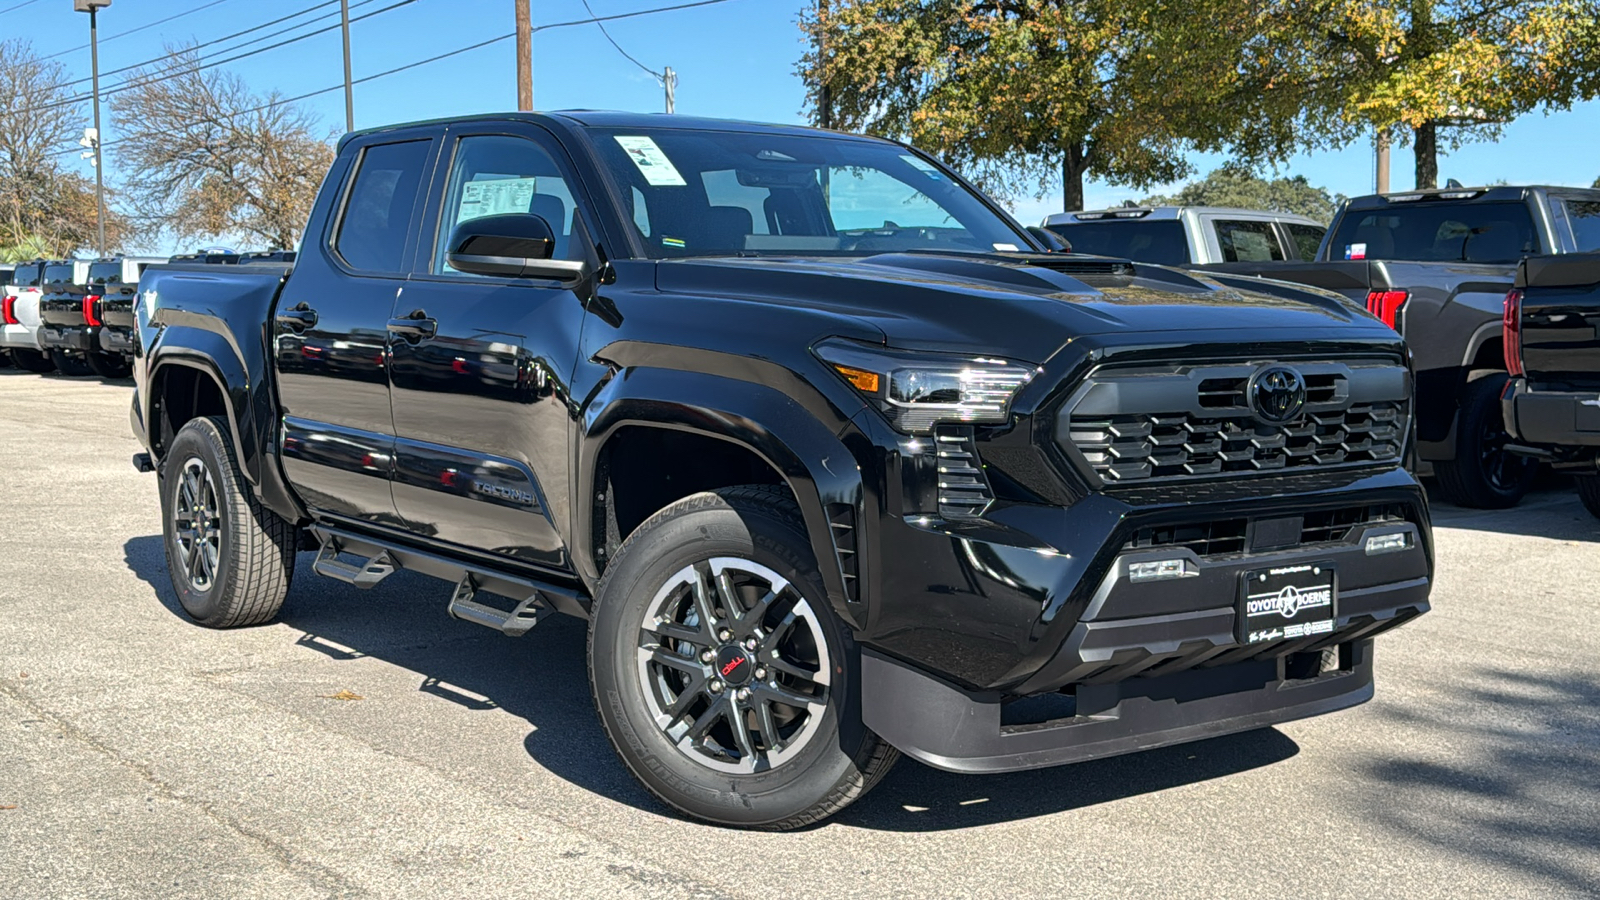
(298, 319)
(415, 327)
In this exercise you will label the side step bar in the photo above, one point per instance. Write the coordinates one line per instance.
(533, 598)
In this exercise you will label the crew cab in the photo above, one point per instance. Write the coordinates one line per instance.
(1552, 338)
(19, 318)
(1189, 235)
(113, 282)
(1436, 266)
(836, 460)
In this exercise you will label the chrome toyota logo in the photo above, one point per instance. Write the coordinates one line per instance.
(1278, 394)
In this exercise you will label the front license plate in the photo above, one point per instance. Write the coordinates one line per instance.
(1286, 603)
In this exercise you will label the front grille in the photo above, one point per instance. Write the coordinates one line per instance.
(1138, 426)
(1333, 526)
(1204, 538)
(1230, 537)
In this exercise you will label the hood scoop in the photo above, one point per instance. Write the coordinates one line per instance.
(1045, 273)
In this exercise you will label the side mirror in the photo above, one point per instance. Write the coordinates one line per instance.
(515, 245)
(1052, 242)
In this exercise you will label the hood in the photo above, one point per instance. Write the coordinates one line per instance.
(1024, 306)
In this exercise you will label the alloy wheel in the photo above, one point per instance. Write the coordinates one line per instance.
(197, 524)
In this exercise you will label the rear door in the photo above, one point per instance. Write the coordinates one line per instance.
(481, 407)
(330, 343)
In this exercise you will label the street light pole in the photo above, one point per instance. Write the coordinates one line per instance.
(90, 7)
(349, 94)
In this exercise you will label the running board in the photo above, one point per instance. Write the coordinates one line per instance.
(377, 567)
(533, 598)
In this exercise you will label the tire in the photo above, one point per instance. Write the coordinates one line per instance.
(5, 359)
(1484, 474)
(232, 565)
(1589, 493)
(109, 365)
(797, 763)
(72, 366)
(33, 361)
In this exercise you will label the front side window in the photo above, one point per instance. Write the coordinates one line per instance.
(1307, 238)
(377, 215)
(1248, 241)
(498, 174)
(711, 193)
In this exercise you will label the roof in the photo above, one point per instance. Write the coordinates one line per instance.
(1168, 213)
(1510, 192)
(597, 118)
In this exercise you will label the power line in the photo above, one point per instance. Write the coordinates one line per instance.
(457, 52)
(625, 54)
(108, 39)
(18, 6)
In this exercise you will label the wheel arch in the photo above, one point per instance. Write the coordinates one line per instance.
(751, 428)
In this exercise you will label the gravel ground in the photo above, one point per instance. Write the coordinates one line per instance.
(144, 757)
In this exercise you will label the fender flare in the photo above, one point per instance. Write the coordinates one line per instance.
(815, 464)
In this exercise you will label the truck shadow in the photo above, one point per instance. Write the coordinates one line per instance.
(1551, 511)
(542, 678)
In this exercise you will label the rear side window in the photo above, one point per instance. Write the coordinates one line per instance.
(1492, 232)
(1307, 238)
(377, 214)
(1584, 218)
(1161, 243)
(1248, 241)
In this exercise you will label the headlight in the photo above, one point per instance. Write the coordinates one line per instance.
(917, 391)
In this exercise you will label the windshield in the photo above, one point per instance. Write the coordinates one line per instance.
(1161, 243)
(1497, 232)
(713, 193)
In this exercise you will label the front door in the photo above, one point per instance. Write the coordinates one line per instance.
(479, 365)
(330, 339)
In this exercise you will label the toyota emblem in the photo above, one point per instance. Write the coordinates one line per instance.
(1278, 394)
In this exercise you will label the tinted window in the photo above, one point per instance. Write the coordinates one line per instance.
(1584, 218)
(1162, 243)
(1430, 232)
(105, 273)
(1248, 241)
(377, 215)
(27, 275)
(702, 193)
(1307, 238)
(59, 274)
(497, 175)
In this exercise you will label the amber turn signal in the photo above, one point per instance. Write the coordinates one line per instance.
(862, 380)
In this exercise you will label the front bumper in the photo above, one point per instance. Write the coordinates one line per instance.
(82, 338)
(1558, 419)
(960, 731)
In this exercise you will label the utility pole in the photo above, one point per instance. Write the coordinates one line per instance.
(349, 93)
(90, 7)
(669, 80)
(524, 57)
(824, 91)
(1383, 161)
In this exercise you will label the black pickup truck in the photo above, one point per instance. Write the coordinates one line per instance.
(836, 461)
(1552, 340)
(1436, 266)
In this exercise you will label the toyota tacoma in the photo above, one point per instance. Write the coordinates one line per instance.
(835, 459)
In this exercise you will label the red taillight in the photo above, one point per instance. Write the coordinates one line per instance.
(1511, 331)
(8, 310)
(1386, 305)
(91, 309)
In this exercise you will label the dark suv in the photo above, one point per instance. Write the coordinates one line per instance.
(836, 460)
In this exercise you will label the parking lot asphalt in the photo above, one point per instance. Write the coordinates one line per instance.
(366, 744)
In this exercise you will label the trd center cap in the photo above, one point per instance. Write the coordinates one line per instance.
(734, 665)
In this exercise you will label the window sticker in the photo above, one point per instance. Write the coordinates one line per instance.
(673, 242)
(1006, 248)
(653, 164)
(921, 165)
(1355, 251)
(495, 197)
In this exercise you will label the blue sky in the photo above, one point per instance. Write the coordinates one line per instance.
(735, 60)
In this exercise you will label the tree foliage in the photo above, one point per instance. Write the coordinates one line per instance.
(45, 210)
(215, 160)
(1017, 92)
(1237, 186)
(1416, 68)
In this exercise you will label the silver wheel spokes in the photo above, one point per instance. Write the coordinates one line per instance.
(197, 524)
(733, 665)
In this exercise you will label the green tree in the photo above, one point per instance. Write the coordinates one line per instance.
(1237, 186)
(1018, 93)
(1431, 70)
